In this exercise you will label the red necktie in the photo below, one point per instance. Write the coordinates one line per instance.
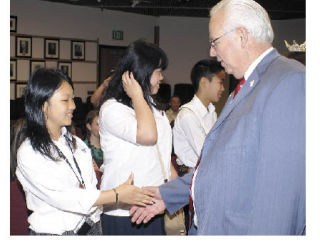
(191, 210)
(240, 84)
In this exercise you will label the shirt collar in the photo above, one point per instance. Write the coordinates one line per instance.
(202, 110)
(256, 62)
(64, 132)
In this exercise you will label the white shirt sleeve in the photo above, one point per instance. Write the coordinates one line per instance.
(52, 182)
(188, 137)
(119, 120)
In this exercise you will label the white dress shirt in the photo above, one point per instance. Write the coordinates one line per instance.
(52, 189)
(193, 123)
(255, 63)
(122, 155)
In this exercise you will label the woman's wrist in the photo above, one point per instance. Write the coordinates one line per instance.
(138, 100)
(116, 194)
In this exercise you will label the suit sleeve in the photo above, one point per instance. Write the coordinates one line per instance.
(279, 195)
(175, 193)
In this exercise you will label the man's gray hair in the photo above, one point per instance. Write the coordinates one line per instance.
(248, 14)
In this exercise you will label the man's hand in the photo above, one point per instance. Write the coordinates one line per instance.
(145, 214)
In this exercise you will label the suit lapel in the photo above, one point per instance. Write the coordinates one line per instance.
(249, 85)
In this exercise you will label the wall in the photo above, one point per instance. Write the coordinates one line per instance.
(39, 18)
(294, 29)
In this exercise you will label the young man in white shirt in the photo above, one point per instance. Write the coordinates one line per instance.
(196, 118)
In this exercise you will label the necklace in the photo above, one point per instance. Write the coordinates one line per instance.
(81, 181)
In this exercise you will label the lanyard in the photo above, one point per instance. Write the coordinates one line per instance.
(81, 181)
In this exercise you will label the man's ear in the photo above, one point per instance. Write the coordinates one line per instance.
(203, 82)
(243, 33)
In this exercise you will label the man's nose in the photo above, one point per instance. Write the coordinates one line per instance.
(212, 51)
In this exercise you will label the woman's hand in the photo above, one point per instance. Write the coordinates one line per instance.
(131, 86)
(130, 194)
(106, 81)
(146, 124)
(95, 166)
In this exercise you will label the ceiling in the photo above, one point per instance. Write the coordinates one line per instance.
(277, 9)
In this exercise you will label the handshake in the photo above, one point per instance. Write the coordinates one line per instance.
(145, 214)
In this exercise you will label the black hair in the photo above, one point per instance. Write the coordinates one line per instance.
(175, 95)
(204, 68)
(141, 58)
(40, 88)
(17, 136)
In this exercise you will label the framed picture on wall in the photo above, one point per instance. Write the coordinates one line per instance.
(23, 46)
(20, 87)
(34, 65)
(51, 48)
(77, 50)
(13, 23)
(13, 70)
(65, 67)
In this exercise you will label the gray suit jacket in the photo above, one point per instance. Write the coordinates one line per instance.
(251, 179)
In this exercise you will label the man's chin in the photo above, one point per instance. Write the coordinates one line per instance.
(235, 75)
(227, 70)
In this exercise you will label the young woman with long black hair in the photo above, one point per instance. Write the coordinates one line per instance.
(55, 168)
(134, 133)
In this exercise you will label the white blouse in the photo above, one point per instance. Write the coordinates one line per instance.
(193, 123)
(52, 189)
(122, 155)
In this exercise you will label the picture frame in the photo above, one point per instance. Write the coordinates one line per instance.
(13, 23)
(20, 88)
(13, 70)
(23, 46)
(51, 48)
(34, 65)
(77, 50)
(66, 68)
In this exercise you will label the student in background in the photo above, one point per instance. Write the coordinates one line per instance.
(196, 118)
(93, 138)
(172, 112)
(93, 142)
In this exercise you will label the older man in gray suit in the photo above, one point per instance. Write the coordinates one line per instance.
(251, 176)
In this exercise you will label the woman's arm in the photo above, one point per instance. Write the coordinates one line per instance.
(96, 96)
(126, 194)
(146, 124)
(43, 180)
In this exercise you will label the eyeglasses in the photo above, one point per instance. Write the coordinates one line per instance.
(213, 42)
